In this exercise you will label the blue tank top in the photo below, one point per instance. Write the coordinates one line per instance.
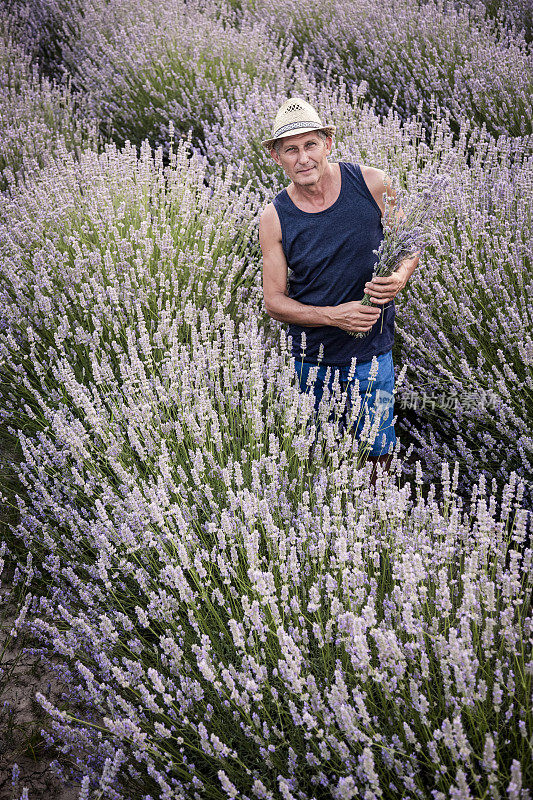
(330, 255)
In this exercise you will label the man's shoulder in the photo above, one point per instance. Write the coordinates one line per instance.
(269, 223)
(373, 175)
(269, 213)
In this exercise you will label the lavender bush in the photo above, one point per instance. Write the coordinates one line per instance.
(42, 28)
(142, 66)
(516, 14)
(74, 340)
(239, 617)
(415, 55)
(476, 279)
(35, 114)
(125, 233)
(18, 726)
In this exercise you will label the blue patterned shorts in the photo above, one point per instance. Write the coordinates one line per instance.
(379, 395)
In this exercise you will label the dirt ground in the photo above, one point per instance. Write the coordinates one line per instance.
(21, 676)
(21, 720)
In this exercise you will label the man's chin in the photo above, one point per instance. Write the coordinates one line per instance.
(307, 177)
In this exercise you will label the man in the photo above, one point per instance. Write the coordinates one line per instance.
(325, 226)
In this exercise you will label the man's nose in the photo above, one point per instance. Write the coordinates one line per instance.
(303, 158)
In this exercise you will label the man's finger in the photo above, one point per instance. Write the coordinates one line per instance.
(383, 280)
(379, 287)
(379, 290)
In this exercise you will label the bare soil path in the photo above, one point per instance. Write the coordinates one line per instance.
(25, 757)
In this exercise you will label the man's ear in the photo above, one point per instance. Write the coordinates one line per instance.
(329, 144)
(275, 156)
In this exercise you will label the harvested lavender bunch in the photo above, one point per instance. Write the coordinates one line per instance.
(406, 231)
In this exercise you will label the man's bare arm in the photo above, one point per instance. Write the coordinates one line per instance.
(285, 309)
(277, 302)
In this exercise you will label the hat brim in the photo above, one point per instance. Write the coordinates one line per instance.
(268, 144)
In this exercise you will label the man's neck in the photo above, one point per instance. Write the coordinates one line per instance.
(319, 195)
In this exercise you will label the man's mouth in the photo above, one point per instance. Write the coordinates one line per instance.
(306, 170)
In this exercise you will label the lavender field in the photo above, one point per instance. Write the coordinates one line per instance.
(210, 598)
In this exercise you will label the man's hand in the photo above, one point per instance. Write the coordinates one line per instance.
(381, 290)
(353, 317)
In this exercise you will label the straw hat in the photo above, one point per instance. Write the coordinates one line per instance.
(293, 117)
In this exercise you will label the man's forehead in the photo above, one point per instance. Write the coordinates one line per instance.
(299, 138)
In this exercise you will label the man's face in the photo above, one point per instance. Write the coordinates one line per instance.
(304, 157)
